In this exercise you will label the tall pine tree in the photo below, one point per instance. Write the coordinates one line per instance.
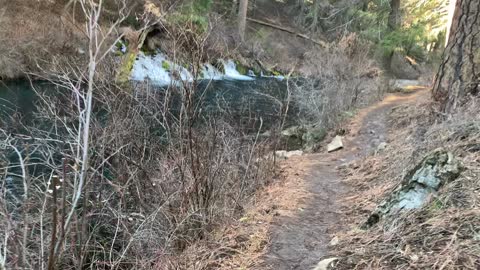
(458, 77)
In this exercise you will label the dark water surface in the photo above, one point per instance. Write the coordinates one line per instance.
(243, 100)
(245, 105)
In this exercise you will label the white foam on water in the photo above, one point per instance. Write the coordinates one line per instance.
(231, 72)
(251, 73)
(151, 68)
(185, 75)
(209, 72)
(278, 77)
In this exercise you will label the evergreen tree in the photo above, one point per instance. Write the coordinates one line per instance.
(458, 77)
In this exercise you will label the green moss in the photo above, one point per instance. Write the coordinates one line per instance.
(123, 74)
(276, 73)
(165, 65)
(241, 69)
(257, 71)
(119, 45)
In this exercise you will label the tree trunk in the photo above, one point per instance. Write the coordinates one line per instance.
(394, 21)
(394, 16)
(242, 18)
(458, 77)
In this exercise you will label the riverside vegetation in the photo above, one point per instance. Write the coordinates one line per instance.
(135, 134)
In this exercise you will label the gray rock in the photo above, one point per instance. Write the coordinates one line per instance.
(401, 68)
(334, 241)
(326, 264)
(336, 144)
(303, 137)
(288, 154)
(434, 171)
(381, 147)
(312, 137)
(291, 138)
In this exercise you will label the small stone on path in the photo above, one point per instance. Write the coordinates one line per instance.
(325, 263)
(288, 154)
(335, 144)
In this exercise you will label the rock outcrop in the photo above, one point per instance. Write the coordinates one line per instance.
(305, 137)
(437, 169)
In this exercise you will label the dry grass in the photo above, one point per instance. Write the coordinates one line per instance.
(444, 234)
(34, 34)
(159, 187)
(39, 36)
(340, 80)
(242, 243)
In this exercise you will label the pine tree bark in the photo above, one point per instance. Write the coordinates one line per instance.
(458, 77)
(242, 18)
(394, 22)
(394, 16)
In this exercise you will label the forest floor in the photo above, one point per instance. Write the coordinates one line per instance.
(298, 215)
(300, 238)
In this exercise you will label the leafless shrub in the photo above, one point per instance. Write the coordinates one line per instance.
(113, 179)
(343, 79)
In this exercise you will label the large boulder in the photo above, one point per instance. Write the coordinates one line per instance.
(312, 137)
(305, 137)
(434, 171)
(403, 68)
(291, 138)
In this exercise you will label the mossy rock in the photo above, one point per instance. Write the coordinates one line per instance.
(126, 66)
(276, 73)
(312, 137)
(257, 71)
(242, 69)
(291, 138)
(303, 137)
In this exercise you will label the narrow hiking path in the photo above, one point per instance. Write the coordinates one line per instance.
(301, 230)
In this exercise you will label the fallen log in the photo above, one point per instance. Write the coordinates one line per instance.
(281, 28)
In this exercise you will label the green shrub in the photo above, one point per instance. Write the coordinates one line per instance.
(195, 13)
(421, 29)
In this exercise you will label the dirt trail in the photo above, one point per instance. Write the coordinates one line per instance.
(301, 232)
